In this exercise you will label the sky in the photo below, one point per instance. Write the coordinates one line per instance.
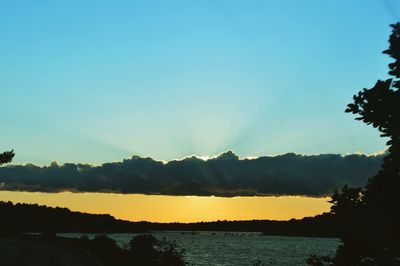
(99, 81)
(160, 208)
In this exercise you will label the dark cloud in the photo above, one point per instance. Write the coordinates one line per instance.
(225, 175)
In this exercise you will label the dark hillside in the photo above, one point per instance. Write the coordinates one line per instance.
(34, 218)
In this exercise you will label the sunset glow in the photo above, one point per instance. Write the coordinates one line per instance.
(136, 207)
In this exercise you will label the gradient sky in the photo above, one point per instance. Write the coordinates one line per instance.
(96, 81)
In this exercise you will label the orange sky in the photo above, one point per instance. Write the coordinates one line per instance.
(136, 207)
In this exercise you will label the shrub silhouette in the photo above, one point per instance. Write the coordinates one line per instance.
(166, 252)
(143, 250)
(144, 245)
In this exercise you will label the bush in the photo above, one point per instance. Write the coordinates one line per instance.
(143, 250)
(164, 251)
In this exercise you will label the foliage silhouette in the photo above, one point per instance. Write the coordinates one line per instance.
(143, 245)
(6, 157)
(144, 250)
(369, 218)
(164, 251)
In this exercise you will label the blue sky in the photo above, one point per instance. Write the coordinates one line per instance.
(96, 81)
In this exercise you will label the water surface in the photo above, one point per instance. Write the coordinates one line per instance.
(240, 248)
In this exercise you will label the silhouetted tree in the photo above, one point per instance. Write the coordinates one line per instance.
(6, 157)
(369, 218)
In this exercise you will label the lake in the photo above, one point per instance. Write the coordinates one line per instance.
(239, 248)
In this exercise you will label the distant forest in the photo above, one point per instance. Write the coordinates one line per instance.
(41, 219)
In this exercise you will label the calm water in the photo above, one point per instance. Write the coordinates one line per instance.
(219, 248)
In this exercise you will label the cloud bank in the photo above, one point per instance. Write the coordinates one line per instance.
(224, 175)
